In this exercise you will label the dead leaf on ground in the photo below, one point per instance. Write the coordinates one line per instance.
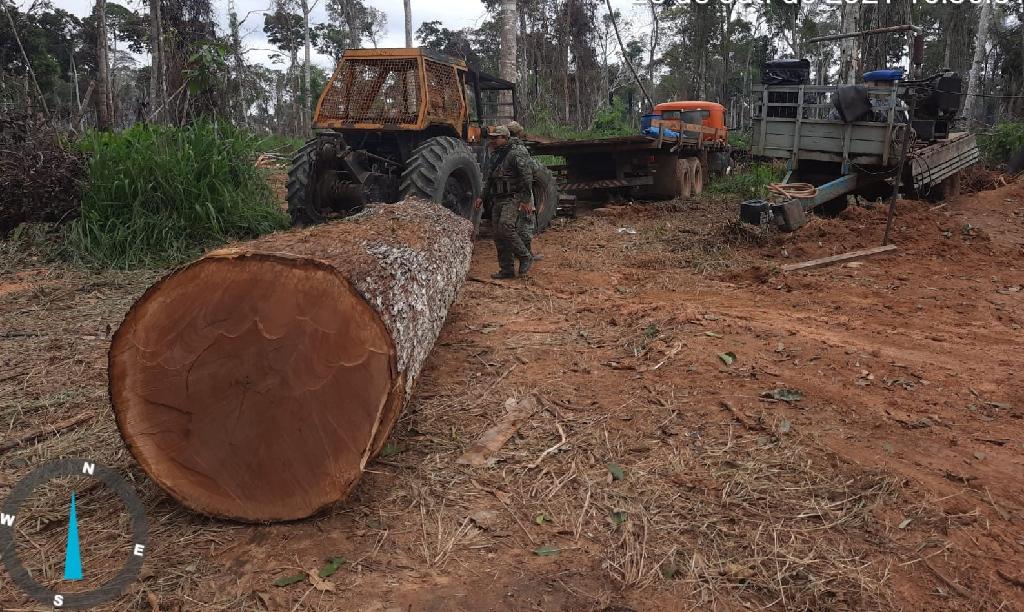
(728, 358)
(319, 583)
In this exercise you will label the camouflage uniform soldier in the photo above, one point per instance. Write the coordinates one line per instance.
(509, 177)
(517, 131)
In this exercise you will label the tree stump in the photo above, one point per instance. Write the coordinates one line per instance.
(256, 382)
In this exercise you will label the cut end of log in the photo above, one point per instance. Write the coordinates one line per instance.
(251, 385)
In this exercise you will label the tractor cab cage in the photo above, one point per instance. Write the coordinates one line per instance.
(487, 104)
(405, 89)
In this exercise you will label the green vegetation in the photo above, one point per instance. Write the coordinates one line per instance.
(281, 145)
(1002, 142)
(610, 121)
(158, 195)
(748, 181)
(739, 140)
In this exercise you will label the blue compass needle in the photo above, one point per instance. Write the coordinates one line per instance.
(72, 555)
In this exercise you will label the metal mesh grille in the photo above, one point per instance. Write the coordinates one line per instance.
(443, 96)
(382, 91)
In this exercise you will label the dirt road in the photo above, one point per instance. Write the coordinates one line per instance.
(712, 433)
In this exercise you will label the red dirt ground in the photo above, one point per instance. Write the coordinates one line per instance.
(894, 482)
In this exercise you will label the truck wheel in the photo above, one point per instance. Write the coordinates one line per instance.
(697, 176)
(684, 174)
(948, 187)
(300, 206)
(444, 170)
(545, 195)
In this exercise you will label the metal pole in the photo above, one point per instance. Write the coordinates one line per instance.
(907, 130)
(900, 28)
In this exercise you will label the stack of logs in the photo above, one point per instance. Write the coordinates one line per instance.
(256, 382)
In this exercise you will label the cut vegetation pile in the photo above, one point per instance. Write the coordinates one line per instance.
(159, 195)
(41, 175)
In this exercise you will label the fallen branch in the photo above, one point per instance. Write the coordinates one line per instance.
(45, 430)
(483, 450)
(561, 432)
(826, 261)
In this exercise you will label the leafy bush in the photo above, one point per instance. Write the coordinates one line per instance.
(282, 145)
(748, 181)
(1003, 142)
(610, 121)
(158, 195)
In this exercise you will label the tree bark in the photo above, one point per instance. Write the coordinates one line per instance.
(507, 58)
(104, 105)
(306, 78)
(256, 382)
(156, 63)
(980, 41)
(849, 48)
(408, 23)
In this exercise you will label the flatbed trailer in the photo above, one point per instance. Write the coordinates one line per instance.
(675, 163)
(795, 123)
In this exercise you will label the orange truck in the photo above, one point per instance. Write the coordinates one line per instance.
(681, 145)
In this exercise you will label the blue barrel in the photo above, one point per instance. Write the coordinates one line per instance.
(889, 74)
(645, 121)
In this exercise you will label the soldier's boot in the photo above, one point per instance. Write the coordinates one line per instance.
(506, 259)
(525, 263)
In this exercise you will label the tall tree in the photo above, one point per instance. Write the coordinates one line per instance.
(980, 43)
(849, 48)
(408, 23)
(156, 67)
(307, 43)
(507, 58)
(104, 102)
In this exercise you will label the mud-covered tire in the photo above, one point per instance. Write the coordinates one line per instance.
(545, 196)
(696, 176)
(444, 170)
(300, 206)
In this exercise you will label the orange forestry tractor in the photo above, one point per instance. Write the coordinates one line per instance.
(395, 123)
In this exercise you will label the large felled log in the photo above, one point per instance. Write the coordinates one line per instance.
(256, 382)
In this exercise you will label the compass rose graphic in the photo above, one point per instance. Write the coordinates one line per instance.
(11, 519)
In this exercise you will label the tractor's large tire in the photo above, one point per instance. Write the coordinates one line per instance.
(444, 170)
(301, 208)
(545, 195)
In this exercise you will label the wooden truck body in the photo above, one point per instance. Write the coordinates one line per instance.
(799, 124)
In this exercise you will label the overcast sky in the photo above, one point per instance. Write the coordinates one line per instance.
(453, 14)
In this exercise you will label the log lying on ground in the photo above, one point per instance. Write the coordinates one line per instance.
(256, 382)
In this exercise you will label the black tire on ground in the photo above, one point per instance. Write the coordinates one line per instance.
(301, 208)
(684, 174)
(545, 196)
(444, 170)
(697, 176)
(833, 207)
(948, 187)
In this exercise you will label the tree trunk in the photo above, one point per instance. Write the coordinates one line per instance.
(156, 63)
(849, 48)
(507, 58)
(408, 23)
(104, 106)
(306, 80)
(980, 41)
(256, 382)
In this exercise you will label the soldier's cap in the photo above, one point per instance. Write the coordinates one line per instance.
(500, 130)
(515, 129)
